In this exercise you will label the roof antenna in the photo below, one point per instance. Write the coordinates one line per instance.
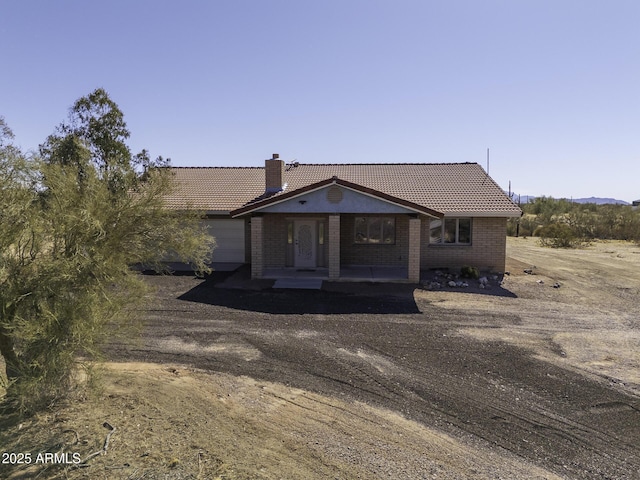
(293, 164)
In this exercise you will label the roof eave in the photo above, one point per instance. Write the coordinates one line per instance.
(217, 213)
(483, 214)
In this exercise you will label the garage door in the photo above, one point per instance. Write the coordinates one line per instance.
(229, 235)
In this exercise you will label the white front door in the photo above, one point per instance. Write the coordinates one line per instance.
(304, 243)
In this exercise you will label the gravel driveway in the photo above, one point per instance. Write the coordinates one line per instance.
(498, 369)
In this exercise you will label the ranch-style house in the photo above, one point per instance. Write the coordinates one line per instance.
(336, 221)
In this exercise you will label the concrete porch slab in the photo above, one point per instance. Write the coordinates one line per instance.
(348, 273)
(373, 273)
(299, 283)
(317, 273)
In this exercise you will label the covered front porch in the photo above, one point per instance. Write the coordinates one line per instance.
(336, 231)
(323, 247)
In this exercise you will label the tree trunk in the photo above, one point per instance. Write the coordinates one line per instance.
(9, 354)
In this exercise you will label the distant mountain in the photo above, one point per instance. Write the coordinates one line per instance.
(600, 201)
(597, 200)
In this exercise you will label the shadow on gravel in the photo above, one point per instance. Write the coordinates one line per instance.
(373, 301)
(496, 291)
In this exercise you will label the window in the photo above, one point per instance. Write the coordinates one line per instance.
(375, 230)
(450, 231)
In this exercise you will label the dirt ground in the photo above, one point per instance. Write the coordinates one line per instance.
(518, 381)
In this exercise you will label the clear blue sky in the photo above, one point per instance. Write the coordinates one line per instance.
(551, 87)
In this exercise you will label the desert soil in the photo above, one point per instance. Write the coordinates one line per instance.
(519, 381)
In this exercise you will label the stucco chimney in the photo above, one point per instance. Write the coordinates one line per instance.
(274, 174)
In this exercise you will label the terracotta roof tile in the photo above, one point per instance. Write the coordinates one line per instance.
(215, 188)
(451, 188)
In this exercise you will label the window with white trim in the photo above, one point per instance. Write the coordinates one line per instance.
(375, 230)
(450, 231)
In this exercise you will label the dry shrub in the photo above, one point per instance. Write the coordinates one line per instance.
(559, 235)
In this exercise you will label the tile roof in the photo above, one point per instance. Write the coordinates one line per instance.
(451, 188)
(217, 189)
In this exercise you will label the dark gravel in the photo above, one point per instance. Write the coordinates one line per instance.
(376, 344)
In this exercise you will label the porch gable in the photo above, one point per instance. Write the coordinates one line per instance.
(335, 196)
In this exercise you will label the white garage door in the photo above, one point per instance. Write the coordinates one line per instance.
(229, 235)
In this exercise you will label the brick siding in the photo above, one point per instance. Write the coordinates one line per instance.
(486, 252)
(275, 241)
(352, 253)
(414, 250)
(257, 258)
(334, 246)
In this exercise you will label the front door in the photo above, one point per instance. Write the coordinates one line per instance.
(304, 243)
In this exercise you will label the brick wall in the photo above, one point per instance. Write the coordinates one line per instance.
(333, 241)
(352, 253)
(274, 242)
(257, 257)
(275, 239)
(247, 240)
(486, 252)
(414, 249)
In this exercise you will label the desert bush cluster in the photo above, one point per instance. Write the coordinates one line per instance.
(562, 223)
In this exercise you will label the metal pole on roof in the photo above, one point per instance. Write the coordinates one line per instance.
(487, 175)
(487, 161)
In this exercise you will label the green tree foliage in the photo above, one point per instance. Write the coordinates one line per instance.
(72, 223)
(564, 223)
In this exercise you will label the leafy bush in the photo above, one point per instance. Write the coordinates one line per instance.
(469, 272)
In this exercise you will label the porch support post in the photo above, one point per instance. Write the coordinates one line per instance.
(334, 247)
(257, 263)
(414, 250)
